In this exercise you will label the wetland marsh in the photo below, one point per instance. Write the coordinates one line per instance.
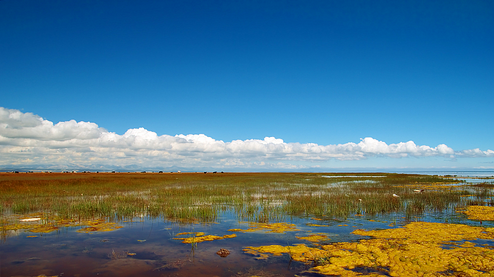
(245, 224)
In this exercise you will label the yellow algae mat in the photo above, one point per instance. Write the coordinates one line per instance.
(99, 225)
(280, 227)
(51, 224)
(480, 212)
(197, 237)
(417, 249)
(315, 237)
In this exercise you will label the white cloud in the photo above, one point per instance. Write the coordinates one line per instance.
(31, 140)
(14, 124)
(16, 119)
(474, 153)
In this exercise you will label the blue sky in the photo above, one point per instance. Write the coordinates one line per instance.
(306, 72)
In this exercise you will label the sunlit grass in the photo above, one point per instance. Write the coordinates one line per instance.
(272, 203)
(255, 197)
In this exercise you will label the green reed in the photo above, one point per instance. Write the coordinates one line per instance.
(261, 197)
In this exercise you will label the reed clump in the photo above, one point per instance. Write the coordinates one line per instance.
(256, 197)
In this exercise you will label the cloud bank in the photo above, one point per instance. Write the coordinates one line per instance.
(27, 139)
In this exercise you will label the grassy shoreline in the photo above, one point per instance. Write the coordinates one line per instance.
(39, 203)
(261, 197)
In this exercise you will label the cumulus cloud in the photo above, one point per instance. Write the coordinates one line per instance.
(28, 139)
(15, 124)
(474, 153)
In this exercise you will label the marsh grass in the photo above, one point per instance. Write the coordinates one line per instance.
(258, 197)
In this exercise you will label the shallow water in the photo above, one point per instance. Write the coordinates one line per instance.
(147, 246)
(67, 252)
(476, 180)
(459, 173)
(70, 253)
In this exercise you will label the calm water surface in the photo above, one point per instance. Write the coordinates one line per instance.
(71, 253)
(67, 252)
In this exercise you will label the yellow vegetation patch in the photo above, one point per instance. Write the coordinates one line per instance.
(197, 234)
(316, 225)
(269, 227)
(200, 238)
(431, 232)
(35, 228)
(17, 226)
(417, 249)
(299, 252)
(47, 228)
(315, 238)
(51, 223)
(99, 226)
(480, 212)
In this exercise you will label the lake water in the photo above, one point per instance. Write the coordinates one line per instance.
(148, 247)
(459, 173)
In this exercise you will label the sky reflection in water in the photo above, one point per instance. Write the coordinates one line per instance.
(71, 253)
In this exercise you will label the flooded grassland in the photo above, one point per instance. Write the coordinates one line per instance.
(245, 224)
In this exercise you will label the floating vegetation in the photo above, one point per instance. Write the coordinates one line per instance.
(280, 227)
(298, 252)
(99, 226)
(480, 212)
(201, 237)
(49, 223)
(46, 228)
(417, 249)
(236, 230)
(315, 237)
(197, 234)
(316, 225)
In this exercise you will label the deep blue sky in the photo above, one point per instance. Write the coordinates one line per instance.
(324, 72)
